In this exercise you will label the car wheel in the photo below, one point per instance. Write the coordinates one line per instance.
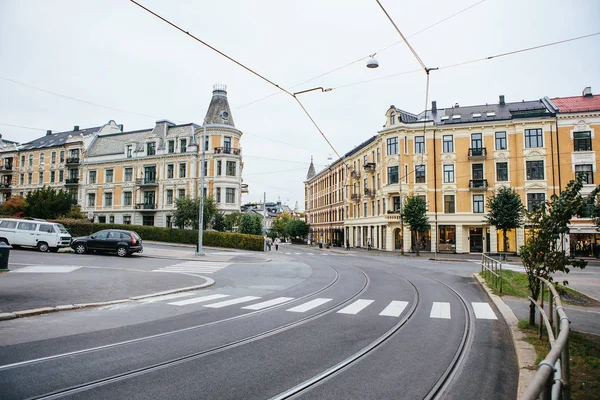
(122, 251)
(80, 248)
(43, 247)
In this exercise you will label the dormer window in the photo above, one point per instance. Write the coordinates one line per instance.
(476, 115)
(224, 115)
(445, 118)
(456, 116)
(151, 148)
(393, 119)
(129, 151)
(183, 145)
(491, 114)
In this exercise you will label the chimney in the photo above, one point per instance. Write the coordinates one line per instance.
(121, 127)
(502, 102)
(75, 128)
(587, 92)
(434, 106)
(48, 132)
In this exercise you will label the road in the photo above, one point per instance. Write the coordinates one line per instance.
(305, 323)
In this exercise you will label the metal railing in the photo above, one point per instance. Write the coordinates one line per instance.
(552, 378)
(492, 270)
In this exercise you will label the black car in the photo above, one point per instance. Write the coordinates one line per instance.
(122, 242)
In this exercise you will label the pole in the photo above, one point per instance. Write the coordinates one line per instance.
(201, 193)
(401, 214)
(265, 221)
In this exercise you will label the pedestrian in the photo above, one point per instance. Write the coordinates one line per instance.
(269, 243)
(277, 244)
(369, 244)
(347, 245)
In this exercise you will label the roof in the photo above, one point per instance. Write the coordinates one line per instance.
(57, 139)
(218, 111)
(486, 113)
(311, 170)
(577, 103)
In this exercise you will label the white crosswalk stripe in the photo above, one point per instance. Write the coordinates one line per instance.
(198, 299)
(268, 303)
(355, 307)
(309, 305)
(440, 310)
(394, 309)
(232, 301)
(483, 311)
(194, 267)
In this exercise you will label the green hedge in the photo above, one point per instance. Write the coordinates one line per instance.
(159, 234)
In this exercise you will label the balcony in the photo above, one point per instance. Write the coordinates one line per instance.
(369, 193)
(5, 186)
(73, 161)
(147, 182)
(227, 151)
(355, 174)
(6, 168)
(72, 181)
(477, 152)
(145, 206)
(370, 167)
(478, 184)
(355, 197)
(393, 216)
(245, 188)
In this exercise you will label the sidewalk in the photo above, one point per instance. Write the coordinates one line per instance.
(187, 252)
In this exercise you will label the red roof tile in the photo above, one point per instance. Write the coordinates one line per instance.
(577, 103)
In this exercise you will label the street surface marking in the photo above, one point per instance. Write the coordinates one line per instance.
(231, 302)
(440, 310)
(194, 267)
(297, 253)
(54, 269)
(198, 299)
(355, 307)
(287, 253)
(309, 254)
(483, 311)
(309, 305)
(268, 303)
(394, 309)
(166, 297)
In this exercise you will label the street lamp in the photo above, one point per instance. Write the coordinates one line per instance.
(372, 62)
(201, 193)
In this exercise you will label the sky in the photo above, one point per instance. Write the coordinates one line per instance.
(71, 62)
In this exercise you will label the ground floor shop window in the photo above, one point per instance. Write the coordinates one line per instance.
(424, 241)
(584, 244)
(447, 238)
(101, 220)
(148, 220)
(511, 240)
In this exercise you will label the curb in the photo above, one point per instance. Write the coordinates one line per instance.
(45, 310)
(525, 352)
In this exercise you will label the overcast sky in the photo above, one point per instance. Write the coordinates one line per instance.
(136, 69)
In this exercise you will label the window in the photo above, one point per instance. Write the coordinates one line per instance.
(378, 207)
(127, 198)
(420, 174)
(477, 171)
(171, 147)
(31, 160)
(365, 186)
(62, 156)
(392, 175)
(91, 199)
(478, 203)
(206, 139)
(502, 171)
(183, 145)
(396, 200)
(46, 228)
(42, 158)
(111, 220)
(205, 168)
(476, 141)
(218, 195)
(92, 177)
(405, 173)
(8, 224)
(535, 170)
(449, 204)
(60, 175)
(392, 119)
(582, 141)
(448, 144)
(40, 178)
(108, 197)
(378, 181)
(405, 145)
(230, 195)
(219, 163)
(500, 140)
(150, 174)
(128, 174)
(181, 193)
(22, 179)
(419, 144)
(392, 146)
(150, 198)
(151, 148)
(449, 173)
(182, 170)
(27, 226)
(169, 196)
(29, 178)
(53, 157)
(170, 168)
(365, 159)
(109, 175)
(366, 211)
(129, 151)
(535, 201)
(22, 161)
(378, 155)
(102, 220)
(148, 220)
(230, 168)
(586, 172)
(533, 138)
(227, 143)
(52, 176)
(126, 219)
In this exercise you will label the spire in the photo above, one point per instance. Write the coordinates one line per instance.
(311, 170)
(218, 110)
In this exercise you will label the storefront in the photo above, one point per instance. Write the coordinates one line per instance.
(424, 241)
(447, 239)
(584, 244)
(476, 240)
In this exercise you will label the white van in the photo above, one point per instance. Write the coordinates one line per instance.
(34, 233)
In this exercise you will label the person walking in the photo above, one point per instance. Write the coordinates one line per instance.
(277, 244)
(269, 243)
(369, 244)
(347, 245)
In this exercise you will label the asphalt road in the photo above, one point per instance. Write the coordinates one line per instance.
(307, 323)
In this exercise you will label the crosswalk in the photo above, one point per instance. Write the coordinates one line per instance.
(194, 267)
(393, 308)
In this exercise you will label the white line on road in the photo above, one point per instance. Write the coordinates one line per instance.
(483, 311)
(53, 269)
(231, 302)
(198, 299)
(440, 310)
(394, 309)
(309, 305)
(268, 303)
(355, 307)
(166, 297)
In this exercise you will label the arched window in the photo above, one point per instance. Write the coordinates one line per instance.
(392, 119)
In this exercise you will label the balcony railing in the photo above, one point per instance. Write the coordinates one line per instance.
(393, 216)
(228, 150)
(355, 197)
(477, 152)
(5, 186)
(478, 184)
(370, 167)
(4, 168)
(146, 182)
(73, 161)
(72, 181)
(145, 206)
(369, 193)
(355, 174)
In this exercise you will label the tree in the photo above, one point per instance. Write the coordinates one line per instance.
(297, 228)
(414, 215)
(280, 224)
(15, 206)
(505, 211)
(232, 221)
(543, 252)
(186, 213)
(48, 203)
(219, 224)
(251, 224)
(75, 213)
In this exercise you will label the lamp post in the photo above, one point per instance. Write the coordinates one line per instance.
(201, 193)
(400, 208)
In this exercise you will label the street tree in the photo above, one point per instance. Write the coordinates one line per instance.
(232, 221)
(415, 216)
(505, 211)
(297, 228)
(48, 203)
(14, 207)
(543, 252)
(279, 226)
(219, 219)
(251, 224)
(186, 212)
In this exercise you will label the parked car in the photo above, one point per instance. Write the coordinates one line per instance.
(122, 242)
(34, 233)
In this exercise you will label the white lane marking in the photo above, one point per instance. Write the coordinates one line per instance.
(394, 309)
(166, 297)
(198, 299)
(231, 302)
(483, 311)
(53, 269)
(309, 305)
(297, 253)
(309, 254)
(193, 267)
(355, 307)
(440, 310)
(287, 253)
(268, 303)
